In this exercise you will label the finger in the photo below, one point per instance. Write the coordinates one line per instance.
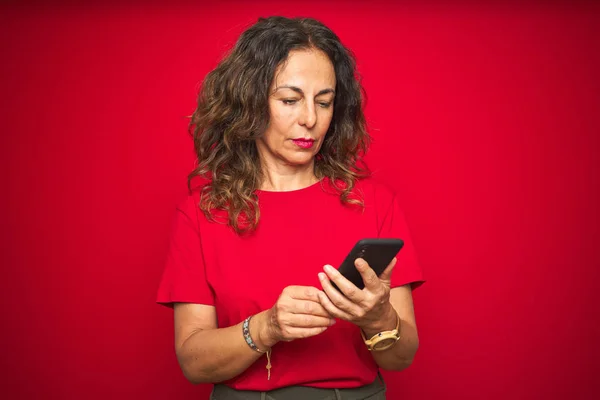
(308, 321)
(340, 301)
(332, 309)
(303, 292)
(345, 286)
(386, 275)
(291, 333)
(369, 276)
(307, 307)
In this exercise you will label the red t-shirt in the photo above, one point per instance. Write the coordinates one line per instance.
(299, 232)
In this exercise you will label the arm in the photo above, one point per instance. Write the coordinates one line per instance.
(373, 310)
(400, 355)
(208, 354)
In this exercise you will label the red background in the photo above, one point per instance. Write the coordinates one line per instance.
(485, 120)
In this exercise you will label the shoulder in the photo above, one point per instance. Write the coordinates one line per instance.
(189, 206)
(189, 203)
(375, 192)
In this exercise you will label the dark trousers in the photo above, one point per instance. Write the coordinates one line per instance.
(373, 391)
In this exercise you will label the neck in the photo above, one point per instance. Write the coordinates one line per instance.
(284, 178)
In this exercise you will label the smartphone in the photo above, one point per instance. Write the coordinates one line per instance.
(378, 253)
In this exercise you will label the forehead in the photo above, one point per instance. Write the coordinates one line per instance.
(306, 68)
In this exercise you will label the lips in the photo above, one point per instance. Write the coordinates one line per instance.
(304, 143)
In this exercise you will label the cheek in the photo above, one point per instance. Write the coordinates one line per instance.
(281, 119)
(325, 121)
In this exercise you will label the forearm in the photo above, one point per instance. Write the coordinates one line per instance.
(401, 354)
(216, 355)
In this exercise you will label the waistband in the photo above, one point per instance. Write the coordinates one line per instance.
(222, 392)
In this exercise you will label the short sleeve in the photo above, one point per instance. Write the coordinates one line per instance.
(407, 269)
(184, 276)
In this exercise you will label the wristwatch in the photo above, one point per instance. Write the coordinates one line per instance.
(383, 340)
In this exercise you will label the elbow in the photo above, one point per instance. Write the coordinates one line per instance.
(408, 359)
(405, 360)
(191, 374)
(194, 379)
(401, 364)
(197, 372)
(194, 371)
(197, 376)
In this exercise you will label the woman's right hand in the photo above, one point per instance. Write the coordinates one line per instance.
(297, 314)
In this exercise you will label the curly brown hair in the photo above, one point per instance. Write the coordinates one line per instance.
(233, 111)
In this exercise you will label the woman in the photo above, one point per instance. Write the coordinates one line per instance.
(282, 197)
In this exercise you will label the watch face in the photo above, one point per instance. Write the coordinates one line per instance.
(384, 343)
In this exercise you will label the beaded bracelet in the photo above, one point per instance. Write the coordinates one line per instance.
(250, 342)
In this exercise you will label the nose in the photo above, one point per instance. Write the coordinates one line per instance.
(308, 115)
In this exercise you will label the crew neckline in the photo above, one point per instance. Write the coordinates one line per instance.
(311, 187)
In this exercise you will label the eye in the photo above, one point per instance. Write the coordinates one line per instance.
(289, 102)
(324, 104)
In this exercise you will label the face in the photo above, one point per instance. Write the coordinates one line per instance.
(301, 108)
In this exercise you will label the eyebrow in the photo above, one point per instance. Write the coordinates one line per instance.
(298, 90)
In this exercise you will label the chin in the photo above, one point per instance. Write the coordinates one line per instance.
(300, 159)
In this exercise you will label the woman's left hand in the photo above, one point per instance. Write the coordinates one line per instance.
(368, 307)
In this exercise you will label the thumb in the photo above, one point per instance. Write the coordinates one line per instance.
(386, 275)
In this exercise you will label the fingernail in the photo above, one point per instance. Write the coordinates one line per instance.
(321, 276)
(328, 268)
(332, 322)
